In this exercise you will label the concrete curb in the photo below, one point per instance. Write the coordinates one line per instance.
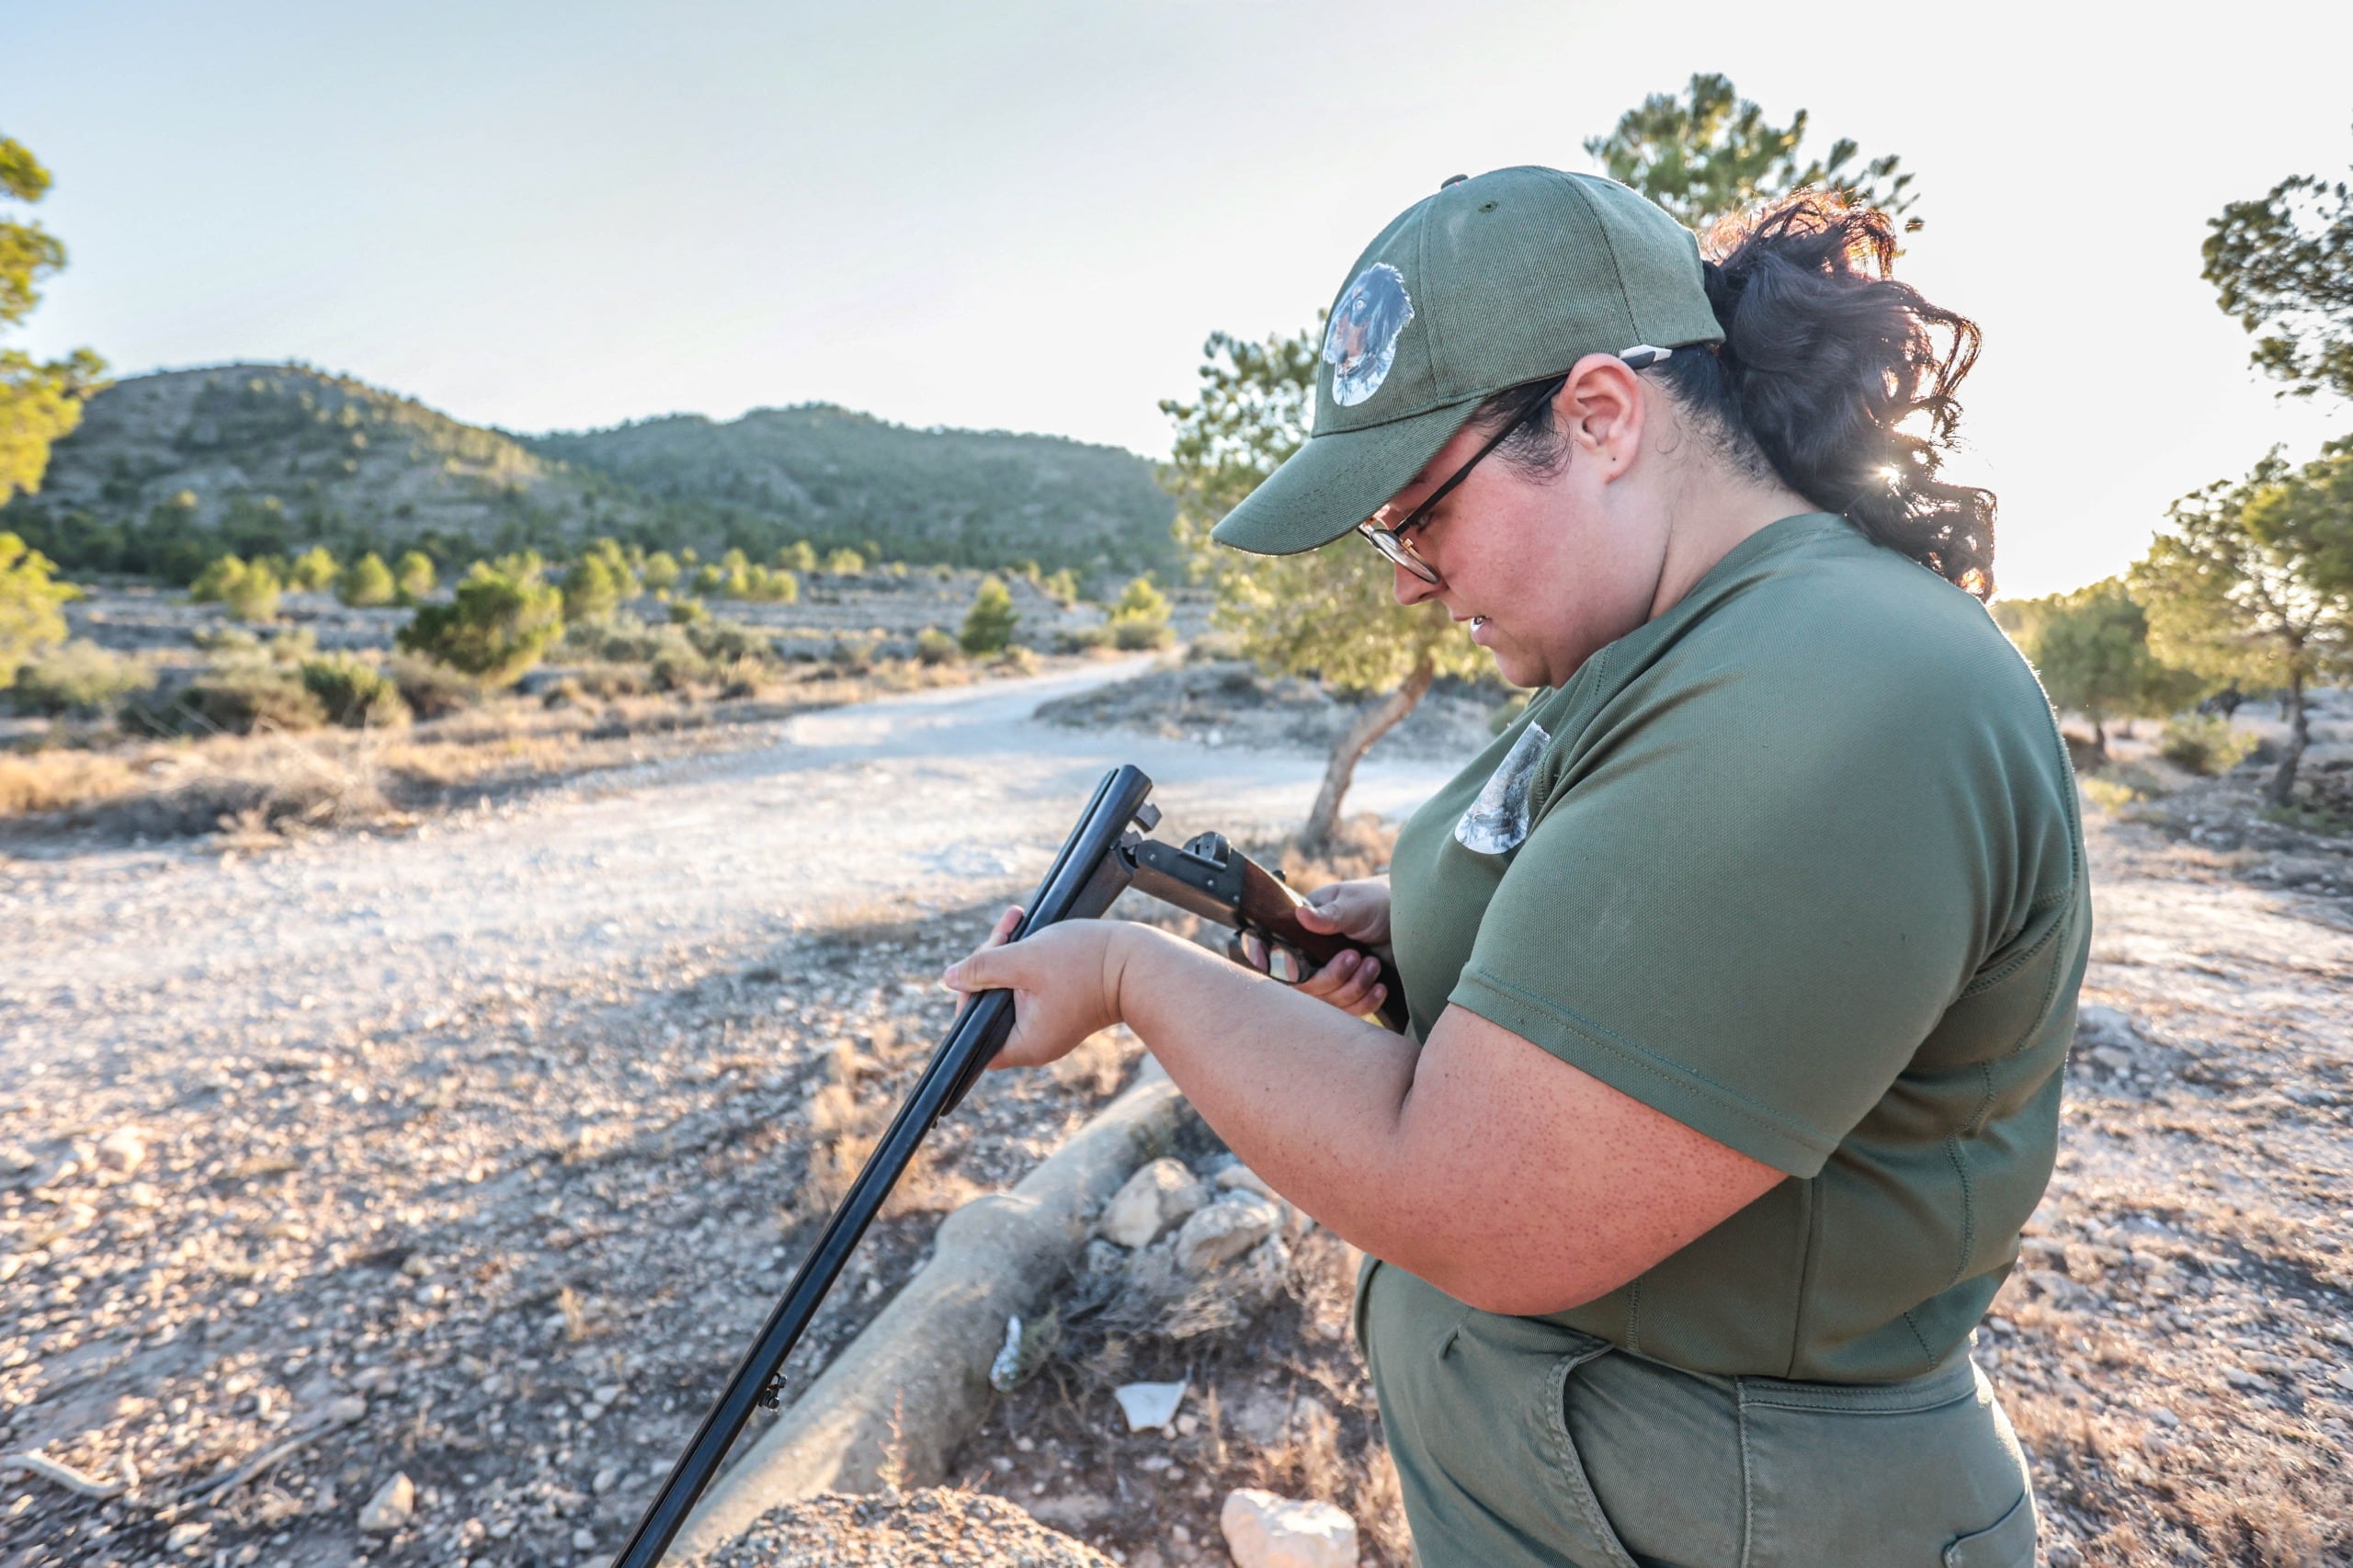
(922, 1366)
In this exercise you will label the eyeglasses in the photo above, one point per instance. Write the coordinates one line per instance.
(1391, 540)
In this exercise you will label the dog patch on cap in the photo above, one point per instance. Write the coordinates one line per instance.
(1361, 343)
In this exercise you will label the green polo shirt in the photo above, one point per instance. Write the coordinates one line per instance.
(1797, 863)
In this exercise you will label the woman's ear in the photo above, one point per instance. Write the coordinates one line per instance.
(1600, 409)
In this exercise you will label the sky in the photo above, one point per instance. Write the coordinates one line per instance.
(1028, 216)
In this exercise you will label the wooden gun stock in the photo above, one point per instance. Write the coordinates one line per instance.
(1210, 878)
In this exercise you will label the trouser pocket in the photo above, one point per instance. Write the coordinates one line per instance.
(1926, 1473)
(1471, 1405)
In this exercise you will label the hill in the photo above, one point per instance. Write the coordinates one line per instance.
(838, 478)
(170, 468)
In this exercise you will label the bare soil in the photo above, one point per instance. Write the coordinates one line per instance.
(477, 1155)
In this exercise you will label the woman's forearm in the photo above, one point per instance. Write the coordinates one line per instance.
(1309, 1097)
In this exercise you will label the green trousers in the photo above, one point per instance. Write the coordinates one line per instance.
(1521, 1442)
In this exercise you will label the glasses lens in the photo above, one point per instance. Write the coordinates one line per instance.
(1395, 548)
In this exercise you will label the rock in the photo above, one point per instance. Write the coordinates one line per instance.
(183, 1538)
(392, 1507)
(1239, 1178)
(1260, 1417)
(1263, 1530)
(2097, 1026)
(122, 1151)
(1154, 1197)
(1075, 1513)
(1149, 1406)
(1225, 1230)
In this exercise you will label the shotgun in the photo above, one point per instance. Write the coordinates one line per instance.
(1103, 856)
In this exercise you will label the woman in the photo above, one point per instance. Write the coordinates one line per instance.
(1741, 968)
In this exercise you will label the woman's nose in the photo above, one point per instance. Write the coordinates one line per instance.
(1410, 589)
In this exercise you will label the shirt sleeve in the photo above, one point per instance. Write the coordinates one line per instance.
(1748, 900)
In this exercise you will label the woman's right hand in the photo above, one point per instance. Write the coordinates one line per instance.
(1358, 911)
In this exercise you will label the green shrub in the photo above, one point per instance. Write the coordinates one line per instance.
(291, 646)
(254, 594)
(2203, 744)
(707, 579)
(211, 585)
(367, 583)
(850, 562)
(1083, 639)
(729, 641)
(431, 691)
(988, 626)
(797, 556)
(225, 640)
(934, 646)
(496, 626)
(312, 571)
(591, 591)
(243, 695)
(1136, 636)
(354, 693)
(1140, 619)
(686, 612)
(661, 572)
(414, 577)
(80, 677)
(1062, 587)
(679, 669)
(1017, 660)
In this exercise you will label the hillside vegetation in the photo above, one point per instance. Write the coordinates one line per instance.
(838, 478)
(171, 469)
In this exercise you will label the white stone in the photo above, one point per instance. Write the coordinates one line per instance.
(1242, 1178)
(2095, 1025)
(122, 1151)
(183, 1538)
(1263, 1530)
(1149, 1406)
(1154, 1197)
(1224, 1231)
(392, 1506)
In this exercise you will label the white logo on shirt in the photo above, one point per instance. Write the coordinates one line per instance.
(1497, 820)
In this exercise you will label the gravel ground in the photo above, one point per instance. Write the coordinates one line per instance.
(932, 1529)
(475, 1154)
(476, 1157)
(1226, 702)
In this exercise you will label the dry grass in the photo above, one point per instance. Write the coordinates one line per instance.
(257, 788)
(853, 1103)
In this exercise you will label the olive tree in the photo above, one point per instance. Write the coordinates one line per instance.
(2254, 584)
(2091, 648)
(1331, 612)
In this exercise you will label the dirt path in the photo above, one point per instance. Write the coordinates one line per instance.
(475, 1155)
(896, 806)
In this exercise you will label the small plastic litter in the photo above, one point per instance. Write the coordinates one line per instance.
(1150, 1405)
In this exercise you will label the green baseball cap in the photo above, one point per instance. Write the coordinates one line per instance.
(1491, 283)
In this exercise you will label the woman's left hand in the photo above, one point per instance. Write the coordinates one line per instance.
(1065, 980)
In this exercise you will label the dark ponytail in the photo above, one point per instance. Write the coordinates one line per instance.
(1838, 380)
